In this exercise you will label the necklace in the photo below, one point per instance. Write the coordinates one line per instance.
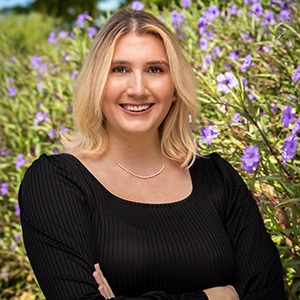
(137, 175)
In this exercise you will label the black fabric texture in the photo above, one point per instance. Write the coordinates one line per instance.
(214, 237)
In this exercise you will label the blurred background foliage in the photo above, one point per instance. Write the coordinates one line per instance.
(24, 33)
(42, 50)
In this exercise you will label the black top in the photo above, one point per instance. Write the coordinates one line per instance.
(214, 237)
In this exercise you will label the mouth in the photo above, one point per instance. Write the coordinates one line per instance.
(136, 108)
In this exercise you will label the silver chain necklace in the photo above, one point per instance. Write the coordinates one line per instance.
(137, 175)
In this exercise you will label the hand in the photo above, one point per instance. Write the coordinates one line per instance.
(222, 293)
(104, 288)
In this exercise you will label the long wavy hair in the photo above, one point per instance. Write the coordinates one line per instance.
(90, 136)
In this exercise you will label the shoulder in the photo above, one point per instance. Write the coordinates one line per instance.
(216, 166)
(49, 179)
(49, 163)
(214, 161)
(50, 170)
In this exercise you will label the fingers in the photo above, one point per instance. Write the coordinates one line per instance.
(104, 287)
(97, 267)
(222, 292)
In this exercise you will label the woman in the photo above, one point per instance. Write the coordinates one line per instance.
(131, 194)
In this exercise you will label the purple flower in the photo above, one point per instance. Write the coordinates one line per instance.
(274, 2)
(40, 117)
(43, 68)
(12, 59)
(12, 246)
(63, 128)
(20, 161)
(234, 55)
(289, 148)
(296, 127)
(40, 85)
(269, 18)
(12, 91)
(92, 31)
(180, 36)
(216, 51)
(66, 57)
(247, 63)
(17, 210)
(284, 15)
(237, 118)
(203, 44)
(251, 96)
(3, 188)
(81, 18)
(210, 33)
(250, 159)
(72, 35)
(245, 83)
(284, 5)
(74, 74)
(274, 107)
(137, 5)
(287, 116)
(185, 3)
(5, 152)
(232, 10)
(212, 12)
(177, 18)
(63, 34)
(202, 25)
(51, 38)
(256, 10)
(52, 133)
(296, 75)
(55, 150)
(208, 134)
(228, 67)
(246, 36)
(226, 82)
(35, 61)
(266, 49)
(206, 60)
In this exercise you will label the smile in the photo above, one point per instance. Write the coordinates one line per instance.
(136, 108)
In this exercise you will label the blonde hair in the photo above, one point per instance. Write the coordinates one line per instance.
(90, 135)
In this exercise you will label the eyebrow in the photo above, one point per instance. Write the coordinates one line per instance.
(154, 62)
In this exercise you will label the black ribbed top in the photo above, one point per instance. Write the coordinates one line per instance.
(214, 237)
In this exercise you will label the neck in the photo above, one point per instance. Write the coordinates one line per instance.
(143, 154)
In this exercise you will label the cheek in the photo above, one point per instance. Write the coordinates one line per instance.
(169, 90)
(165, 89)
(111, 91)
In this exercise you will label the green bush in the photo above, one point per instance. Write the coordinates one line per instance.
(23, 33)
(247, 67)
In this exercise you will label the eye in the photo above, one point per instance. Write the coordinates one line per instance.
(155, 70)
(119, 70)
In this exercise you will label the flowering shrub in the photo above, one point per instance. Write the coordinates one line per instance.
(246, 58)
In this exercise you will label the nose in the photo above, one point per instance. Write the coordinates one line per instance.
(137, 86)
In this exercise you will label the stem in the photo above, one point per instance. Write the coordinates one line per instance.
(290, 177)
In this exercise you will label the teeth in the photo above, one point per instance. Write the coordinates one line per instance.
(136, 108)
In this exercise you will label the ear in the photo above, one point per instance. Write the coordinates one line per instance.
(174, 97)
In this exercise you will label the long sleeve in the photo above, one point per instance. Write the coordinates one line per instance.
(58, 235)
(258, 273)
(56, 232)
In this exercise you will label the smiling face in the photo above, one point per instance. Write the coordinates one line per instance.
(139, 90)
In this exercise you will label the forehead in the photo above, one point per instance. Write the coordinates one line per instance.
(139, 46)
